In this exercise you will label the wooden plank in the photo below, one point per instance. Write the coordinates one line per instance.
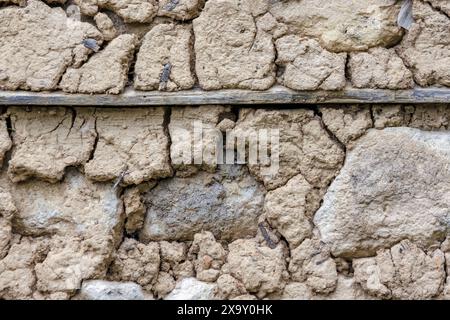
(276, 95)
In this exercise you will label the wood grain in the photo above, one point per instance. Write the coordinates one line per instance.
(276, 95)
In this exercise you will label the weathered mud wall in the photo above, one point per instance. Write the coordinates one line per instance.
(98, 46)
(92, 205)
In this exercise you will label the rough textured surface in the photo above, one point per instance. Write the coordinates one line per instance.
(377, 232)
(311, 263)
(425, 117)
(379, 68)
(117, 204)
(87, 7)
(402, 272)
(132, 146)
(262, 270)
(7, 210)
(174, 260)
(70, 260)
(65, 209)
(305, 146)
(136, 262)
(229, 287)
(208, 256)
(106, 26)
(309, 67)
(48, 140)
(398, 198)
(221, 44)
(288, 209)
(426, 47)
(226, 203)
(346, 289)
(185, 123)
(105, 72)
(347, 124)
(443, 5)
(340, 25)
(17, 276)
(73, 235)
(180, 9)
(130, 10)
(46, 39)
(5, 140)
(232, 51)
(134, 208)
(164, 59)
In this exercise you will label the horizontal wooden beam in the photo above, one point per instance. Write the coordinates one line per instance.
(276, 95)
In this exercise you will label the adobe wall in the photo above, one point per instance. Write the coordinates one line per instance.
(98, 46)
(94, 203)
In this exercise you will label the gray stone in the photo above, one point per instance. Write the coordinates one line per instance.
(110, 290)
(393, 186)
(226, 203)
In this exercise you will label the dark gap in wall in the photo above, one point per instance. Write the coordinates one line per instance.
(347, 69)
(132, 65)
(235, 110)
(227, 115)
(166, 122)
(9, 127)
(400, 39)
(55, 5)
(97, 137)
(72, 119)
(8, 154)
(318, 113)
(193, 59)
(372, 116)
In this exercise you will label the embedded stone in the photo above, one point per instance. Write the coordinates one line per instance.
(384, 194)
(110, 290)
(226, 203)
(340, 25)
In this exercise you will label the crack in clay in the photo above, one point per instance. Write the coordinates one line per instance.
(372, 116)
(73, 118)
(166, 123)
(97, 137)
(332, 136)
(59, 124)
(437, 9)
